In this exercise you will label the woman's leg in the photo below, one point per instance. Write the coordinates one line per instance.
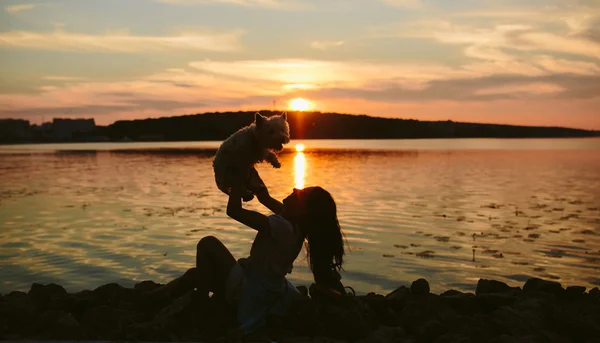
(213, 264)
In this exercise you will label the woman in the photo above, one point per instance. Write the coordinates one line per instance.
(256, 286)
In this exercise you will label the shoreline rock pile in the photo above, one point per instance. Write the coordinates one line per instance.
(541, 311)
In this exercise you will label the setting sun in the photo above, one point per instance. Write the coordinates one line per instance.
(299, 147)
(300, 104)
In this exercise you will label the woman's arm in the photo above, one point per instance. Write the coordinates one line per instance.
(272, 204)
(253, 219)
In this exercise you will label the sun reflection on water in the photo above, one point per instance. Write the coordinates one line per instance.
(299, 169)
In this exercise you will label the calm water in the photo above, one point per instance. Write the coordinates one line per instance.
(451, 211)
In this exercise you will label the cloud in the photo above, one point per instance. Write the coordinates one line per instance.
(121, 42)
(526, 88)
(19, 8)
(403, 3)
(324, 45)
(272, 4)
(449, 97)
(499, 43)
(62, 78)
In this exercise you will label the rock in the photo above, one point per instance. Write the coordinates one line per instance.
(399, 293)
(58, 324)
(595, 292)
(485, 286)
(490, 302)
(78, 303)
(146, 286)
(452, 292)
(15, 294)
(509, 320)
(465, 303)
(382, 307)
(19, 313)
(105, 322)
(150, 332)
(535, 285)
(385, 334)
(453, 338)
(575, 291)
(429, 331)
(47, 297)
(419, 287)
(115, 295)
(398, 297)
(349, 319)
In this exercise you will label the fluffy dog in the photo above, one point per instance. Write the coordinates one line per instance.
(252, 144)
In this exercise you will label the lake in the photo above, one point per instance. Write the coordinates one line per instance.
(451, 211)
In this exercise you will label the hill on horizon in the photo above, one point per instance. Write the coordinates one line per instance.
(321, 125)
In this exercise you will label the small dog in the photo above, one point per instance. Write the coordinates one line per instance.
(252, 144)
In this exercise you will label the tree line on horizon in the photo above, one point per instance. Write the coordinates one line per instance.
(317, 125)
(217, 126)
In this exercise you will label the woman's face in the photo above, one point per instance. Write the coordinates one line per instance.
(295, 203)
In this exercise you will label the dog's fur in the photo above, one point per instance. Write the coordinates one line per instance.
(252, 144)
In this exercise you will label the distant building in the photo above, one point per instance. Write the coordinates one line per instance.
(68, 128)
(12, 130)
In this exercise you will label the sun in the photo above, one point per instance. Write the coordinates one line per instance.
(300, 104)
(299, 147)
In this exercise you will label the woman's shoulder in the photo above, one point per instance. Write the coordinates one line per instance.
(280, 226)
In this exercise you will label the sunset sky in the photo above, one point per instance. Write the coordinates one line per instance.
(517, 62)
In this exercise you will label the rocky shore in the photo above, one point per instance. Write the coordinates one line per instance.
(541, 311)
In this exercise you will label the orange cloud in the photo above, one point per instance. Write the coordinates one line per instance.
(121, 42)
(19, 8)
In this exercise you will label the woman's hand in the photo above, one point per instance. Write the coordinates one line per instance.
(252, 219)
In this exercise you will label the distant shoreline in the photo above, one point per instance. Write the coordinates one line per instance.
(217, 126)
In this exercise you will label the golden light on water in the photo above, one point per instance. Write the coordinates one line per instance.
(300, 147)
(300, 104)
(299, 168)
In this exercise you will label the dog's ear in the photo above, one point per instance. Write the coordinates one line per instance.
(284, 115)
(259, 119)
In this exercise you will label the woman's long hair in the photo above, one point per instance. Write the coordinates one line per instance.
(325, 246)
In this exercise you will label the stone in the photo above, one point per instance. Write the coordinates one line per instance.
(453, 338)
(58, 324)
(512, 321)
(451, 292)
(78, 303)
(381, 307)
(535, 285)
(491, 301)
(146, 286)
(464, 304)
(419, 287)
(115, 295)
(485, 286)
(46, 297)
(20, 313)
(595, 292)
(15, 295)
(575, 291)
(105, 321)
(400, 294)
(429, 331)
(385, 334)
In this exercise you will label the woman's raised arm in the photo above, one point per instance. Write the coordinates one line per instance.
(253, 219)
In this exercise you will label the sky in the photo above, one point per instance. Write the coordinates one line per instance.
(505, 61)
